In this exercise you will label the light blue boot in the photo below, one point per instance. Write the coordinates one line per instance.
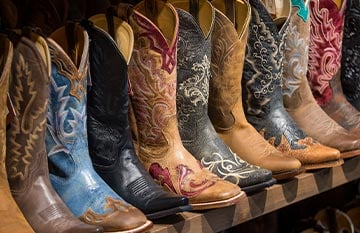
(72, 173)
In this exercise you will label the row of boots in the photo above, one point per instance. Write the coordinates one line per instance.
(141, 111)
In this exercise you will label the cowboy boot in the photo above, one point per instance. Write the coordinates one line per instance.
(66, 139)
(193, 73)
(262, 95)
(26, 160)
(326, 32)
(350, 59)
(298, 99)
(11, 218)
(225, 102)
(152, 73)
(110, 140)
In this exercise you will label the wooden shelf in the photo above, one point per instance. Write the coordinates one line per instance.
(273, 198)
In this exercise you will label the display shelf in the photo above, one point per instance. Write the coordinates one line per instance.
(273, 198)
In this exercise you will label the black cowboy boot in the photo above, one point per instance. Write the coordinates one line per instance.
(193, 74)
(262, 95)
(350, 59)
(110, 140)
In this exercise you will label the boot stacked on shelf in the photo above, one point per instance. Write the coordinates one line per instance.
(262, 89)
(26, 160)
(193, 75)
(66, 140)
(12, 219)
(225, 101)
(220, 104)
(152, 73)
(110, 140)
(298, 99)
(350, 59)
(326, 33)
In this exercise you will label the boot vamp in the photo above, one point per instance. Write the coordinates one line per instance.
(318, 125)
(215, 155)
(129, 178)
(248, 144)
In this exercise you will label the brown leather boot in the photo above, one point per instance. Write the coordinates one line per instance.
(152, 72)
(298, 99)
(326, 33)
(26, 160)
(225, 101)
(11, 218)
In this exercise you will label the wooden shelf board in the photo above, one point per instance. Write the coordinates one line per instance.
(273, 198)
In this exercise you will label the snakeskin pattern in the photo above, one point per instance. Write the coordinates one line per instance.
(326, 33)
(350, 69)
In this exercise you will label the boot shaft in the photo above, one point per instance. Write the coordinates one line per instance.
(6, 51)
(193, 67)
(350, 70)
(152, 71)
(326, 32)
(263, 68)
(227, 58)
(67, 110)
(29, 90)
(296, 57)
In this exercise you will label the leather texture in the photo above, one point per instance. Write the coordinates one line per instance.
(110, 140)
(225, 102)
(350, 58)
(26, 160)
(298, 99)
(193, 74)
(152, 73)
(262, 92)
(71, 169)
(324, 69)
(12, 219)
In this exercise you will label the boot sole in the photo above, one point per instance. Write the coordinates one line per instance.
(329, 164)
(144, 228)
(219, 204)
(288, 174)
(167, 212)
(257, 187)
(349, 154)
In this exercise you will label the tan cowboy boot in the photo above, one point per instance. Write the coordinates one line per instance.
(11, 218)
(298, 99)
(225, 101)
(152, 72)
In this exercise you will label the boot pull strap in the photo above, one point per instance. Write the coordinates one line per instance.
(194, 9)
(230, 10)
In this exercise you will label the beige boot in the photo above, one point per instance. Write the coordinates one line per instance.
(225, 101)
(152, 73)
